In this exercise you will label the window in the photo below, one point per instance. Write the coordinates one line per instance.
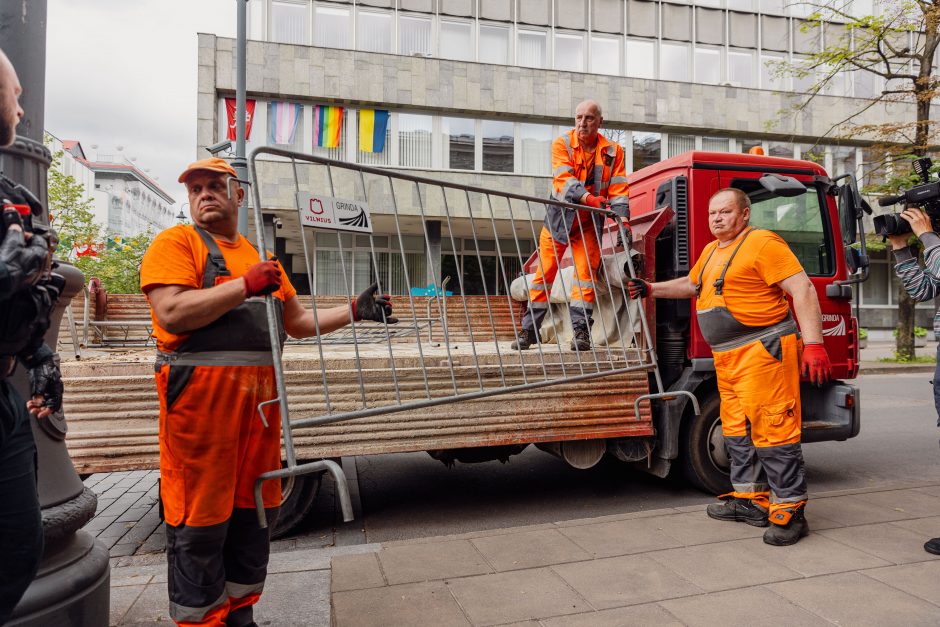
(536, 153)
(374, 32)
(331, 28)
(813, 152)
(799, 221)
(532, 48)
(741, 69)
(494, 44)
(708, 66)
(414, 35)
(677, 144)
(866, 84)
(414, 140)
(605, 55)
(747, 144)
(456, 40)
(779, 149)
(742, 5)
(674, 62)
(715, 144)
(569, 52)
(641, 58)
(646, 149)
(803, 84)
(770, 77)
(497, 146)
(289, 22)
(459, 143)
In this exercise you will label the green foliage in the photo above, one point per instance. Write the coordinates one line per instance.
(918, 332)
(70, 213)
(898, 359)
(862, 333)
(118, 267)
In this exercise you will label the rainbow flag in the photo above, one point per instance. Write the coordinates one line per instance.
(327, 124)
(372, 125)
(284, 117)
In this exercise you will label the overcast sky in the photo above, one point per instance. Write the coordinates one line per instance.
(123, 73)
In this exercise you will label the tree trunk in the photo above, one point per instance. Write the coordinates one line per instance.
(905, 328)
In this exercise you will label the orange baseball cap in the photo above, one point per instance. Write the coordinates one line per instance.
(213, 164)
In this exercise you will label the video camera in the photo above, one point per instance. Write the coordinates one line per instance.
(16, 197)
(926, 195)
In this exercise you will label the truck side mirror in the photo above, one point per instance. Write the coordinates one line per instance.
(853, 259)
(848, 216)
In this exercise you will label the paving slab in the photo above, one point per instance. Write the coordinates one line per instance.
(697, 528)
(356, 572)
(852, 510)
(151, 606)
(436, 560)
(921, 579)
(425, 603)
(714, 567)
(748, 607)
(515, 596)
(885, 540)
(625, 580)
(814, 555)
(854, 599)
(301, 599)
(621, 537)
(913, 503)
(649, 614)
(122, 598)
(529, 549)
(927, 527)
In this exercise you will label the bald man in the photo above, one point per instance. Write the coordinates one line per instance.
(589, 170)
(25, 305)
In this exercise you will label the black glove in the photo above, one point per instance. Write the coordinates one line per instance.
(368, 306)
(25, 261)
(638, 288)
(45, 379)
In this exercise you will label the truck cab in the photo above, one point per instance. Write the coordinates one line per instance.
(799, 202)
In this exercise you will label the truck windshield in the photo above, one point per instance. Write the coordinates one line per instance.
(800, 221)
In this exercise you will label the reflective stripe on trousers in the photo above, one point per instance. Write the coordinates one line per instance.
(761, 421)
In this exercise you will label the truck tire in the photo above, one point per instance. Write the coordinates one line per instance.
(704, 459)
(297, 502)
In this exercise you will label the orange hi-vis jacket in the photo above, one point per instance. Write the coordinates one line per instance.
(575, 173)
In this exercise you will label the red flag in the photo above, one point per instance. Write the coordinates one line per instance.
(249, 114)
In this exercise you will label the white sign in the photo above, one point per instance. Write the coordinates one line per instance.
(325, 212)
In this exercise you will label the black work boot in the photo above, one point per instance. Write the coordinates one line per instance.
(581, 340)
(789, 533)
(526, 339)
(933, 546)
(738, 510)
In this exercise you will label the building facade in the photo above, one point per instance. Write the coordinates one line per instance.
(477, 89)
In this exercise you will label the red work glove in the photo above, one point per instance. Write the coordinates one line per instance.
(262, 279)
(595, 201)
(638, 288)
(816, 364)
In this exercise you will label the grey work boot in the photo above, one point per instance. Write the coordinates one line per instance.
(738, 510)
(526, 339)
(581, 340)
(789, 533)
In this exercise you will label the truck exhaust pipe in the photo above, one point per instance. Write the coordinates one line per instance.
(580, 454)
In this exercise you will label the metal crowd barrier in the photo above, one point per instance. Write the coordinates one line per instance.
(328, 196)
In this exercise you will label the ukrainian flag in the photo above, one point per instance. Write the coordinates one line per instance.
(372, 126)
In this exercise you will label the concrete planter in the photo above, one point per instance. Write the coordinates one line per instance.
(863, 343)
(920, 342)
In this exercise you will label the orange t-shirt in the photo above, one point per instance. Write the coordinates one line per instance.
(177, 256)
(750, 292)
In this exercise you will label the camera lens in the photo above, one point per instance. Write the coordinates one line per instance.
(891, 224)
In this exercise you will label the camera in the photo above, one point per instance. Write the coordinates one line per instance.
(926, 195)
(25, 205)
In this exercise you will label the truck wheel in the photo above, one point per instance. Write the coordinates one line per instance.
(297, 501)
(705, 461)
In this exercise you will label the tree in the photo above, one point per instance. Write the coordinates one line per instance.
(896, 46)
(70, 213)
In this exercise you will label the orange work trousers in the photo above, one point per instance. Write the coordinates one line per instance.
(213, 446)
(586, 254)
(761, 421)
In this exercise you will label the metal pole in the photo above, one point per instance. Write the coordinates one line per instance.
(240, 163)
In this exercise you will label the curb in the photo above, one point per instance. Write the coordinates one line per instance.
(878, 368)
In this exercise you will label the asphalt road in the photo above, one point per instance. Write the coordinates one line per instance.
(411, 495)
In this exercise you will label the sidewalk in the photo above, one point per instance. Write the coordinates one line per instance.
(862, 564)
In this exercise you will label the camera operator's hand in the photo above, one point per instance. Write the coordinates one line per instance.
(25, 260)
(45, 383)
(918, 219)
(898, 241)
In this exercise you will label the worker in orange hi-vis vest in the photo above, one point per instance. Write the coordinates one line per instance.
(589, 170)
(741, 281)
(214, 365)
